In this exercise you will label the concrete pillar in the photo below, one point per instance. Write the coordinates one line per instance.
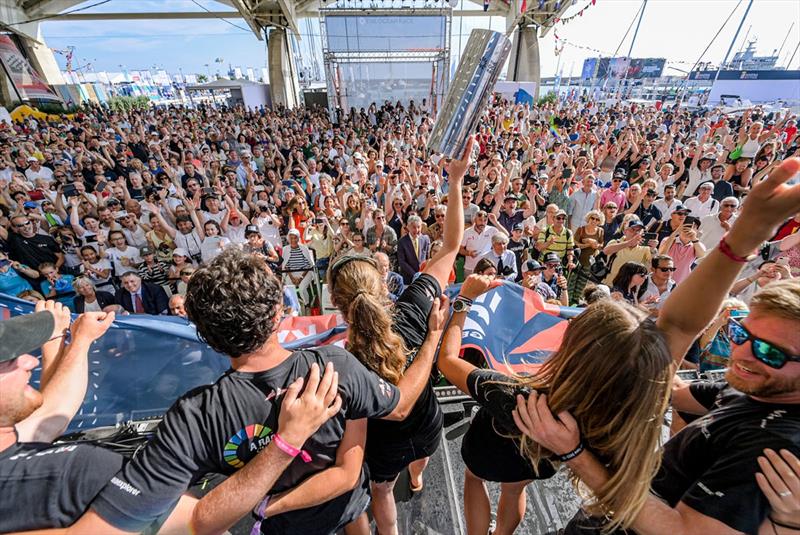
(523, 65)
(284, 87)
(43, 60)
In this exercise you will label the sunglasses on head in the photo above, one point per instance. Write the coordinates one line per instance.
(764, 351)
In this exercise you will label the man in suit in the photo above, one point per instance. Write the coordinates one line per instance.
(138, 297)
(90, 300)
(412, 249)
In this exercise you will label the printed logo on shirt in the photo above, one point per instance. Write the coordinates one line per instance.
(246, 443)
(384, 387)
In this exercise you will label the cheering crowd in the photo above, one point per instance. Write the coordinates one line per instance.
(679, 231)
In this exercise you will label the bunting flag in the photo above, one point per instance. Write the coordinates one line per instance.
(524, 7)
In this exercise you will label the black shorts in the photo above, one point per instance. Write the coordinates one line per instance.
(386, 459)
(493, 457)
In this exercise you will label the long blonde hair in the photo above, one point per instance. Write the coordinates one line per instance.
(357, 290)
(612, 372)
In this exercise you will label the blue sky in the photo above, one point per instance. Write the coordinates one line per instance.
(676, 29)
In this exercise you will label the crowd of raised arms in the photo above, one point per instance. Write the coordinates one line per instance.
(678, 230)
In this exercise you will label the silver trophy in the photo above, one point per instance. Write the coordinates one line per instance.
(481, 62)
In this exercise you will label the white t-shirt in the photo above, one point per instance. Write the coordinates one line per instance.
(43, 172)
(101, 264)
(711, 230)
(695, 179)
(116, 256)
(269, 231)
(92, 307)
(479, 242)
(666, 209)
(701, 209)
(212, 247)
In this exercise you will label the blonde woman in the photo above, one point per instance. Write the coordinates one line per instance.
(385, 337)
(762, 343)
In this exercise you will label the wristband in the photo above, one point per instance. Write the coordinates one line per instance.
(261, 512)
(572, 454)
(725, 249)
(290, 450)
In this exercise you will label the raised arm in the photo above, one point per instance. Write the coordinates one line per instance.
(441, 265)
(695, 301)
(65, 386)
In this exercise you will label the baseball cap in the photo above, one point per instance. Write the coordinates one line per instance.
(120, 214)
(25, 333)
(251, 229)
(620, 173)
(635, 222)
(32, 159)
(357, 156)
(293, 232)
(532, 265)
(179, 251)
(681, 208)
(518, 226)
(706, 185)
(146, 250)
(550, 258)
(561, 212)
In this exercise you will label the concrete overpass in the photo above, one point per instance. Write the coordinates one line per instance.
(272, 19)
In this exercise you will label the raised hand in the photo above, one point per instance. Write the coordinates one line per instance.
(768, 204)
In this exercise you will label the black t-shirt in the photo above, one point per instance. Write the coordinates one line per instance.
(488, 450)
(218, 428)
(710, 465)
(45, 486)
(34, 250)
(411, 323)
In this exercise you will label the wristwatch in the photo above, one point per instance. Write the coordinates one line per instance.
(462, 304)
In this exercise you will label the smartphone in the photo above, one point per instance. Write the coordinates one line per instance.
(208, 191)
(91, 239)
(650, 236)
(739, 313)
(35, 195)
(100, 186)
(70, 191)
(691, 220)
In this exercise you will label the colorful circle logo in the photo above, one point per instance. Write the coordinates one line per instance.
(242, 446)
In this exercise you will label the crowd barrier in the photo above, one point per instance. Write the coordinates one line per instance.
(144, 363)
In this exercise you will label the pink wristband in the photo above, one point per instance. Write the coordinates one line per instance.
(290, 450)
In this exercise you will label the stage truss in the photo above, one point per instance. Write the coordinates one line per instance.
(374, 55)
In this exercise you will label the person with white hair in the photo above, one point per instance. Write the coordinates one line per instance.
(703, 203)
(714, 226)
(504, 260)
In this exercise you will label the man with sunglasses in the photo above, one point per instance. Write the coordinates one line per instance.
(713, 471)
(659, 282)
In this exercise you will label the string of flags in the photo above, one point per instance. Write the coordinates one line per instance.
(564, 20)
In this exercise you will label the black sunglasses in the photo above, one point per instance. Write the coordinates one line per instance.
(764, 351)
(667, 269)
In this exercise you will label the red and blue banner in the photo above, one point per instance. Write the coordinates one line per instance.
(144, 363)
(514, 329)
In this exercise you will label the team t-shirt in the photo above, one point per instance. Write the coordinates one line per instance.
(45, 486)
(711, 464)
(218, 428)
(411, 323)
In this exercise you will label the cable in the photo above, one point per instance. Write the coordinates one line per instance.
(201, 6)
(54, 15)
(683, 83)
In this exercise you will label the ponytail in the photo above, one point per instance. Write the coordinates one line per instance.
(372, 339)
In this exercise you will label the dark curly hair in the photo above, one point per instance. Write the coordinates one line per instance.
(234, 301)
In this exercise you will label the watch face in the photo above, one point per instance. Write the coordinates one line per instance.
(460, 306)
